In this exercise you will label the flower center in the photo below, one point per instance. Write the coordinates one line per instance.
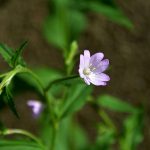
(86, 71)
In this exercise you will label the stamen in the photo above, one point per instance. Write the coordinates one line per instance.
(92, 68)
(86, 71)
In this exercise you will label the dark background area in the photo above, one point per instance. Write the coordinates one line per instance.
(128, 52)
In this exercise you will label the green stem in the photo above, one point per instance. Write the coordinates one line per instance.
(22, 132)
(19, 69)
(53, 139)
(3, 75)
(54, 136)
(59, 80)
(55, 123)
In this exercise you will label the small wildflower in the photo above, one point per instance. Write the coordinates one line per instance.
(91, 68)
(36, 107)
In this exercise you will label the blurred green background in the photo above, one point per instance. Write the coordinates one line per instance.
(120, 29)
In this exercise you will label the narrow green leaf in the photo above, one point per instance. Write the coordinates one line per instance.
(10, 56)
(115, 104)
(17, 58)
(10, 102)
(6, 53)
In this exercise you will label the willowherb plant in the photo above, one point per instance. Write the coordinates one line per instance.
(61, 95)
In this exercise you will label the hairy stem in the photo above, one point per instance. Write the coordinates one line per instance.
(59, 80)
(22, 132)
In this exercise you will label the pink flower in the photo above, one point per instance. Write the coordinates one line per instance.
(36, 107)
(91, 68)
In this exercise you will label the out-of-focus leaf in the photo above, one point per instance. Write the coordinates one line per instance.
(69, 135)
(76, 98)
(112, 13)
(17, 59)
(46, 130)
(19, 145)
(2, 126)
(132, 134)
(77, 23)
(78, 137)
(107, 132)
(106, 137)
(46, 75)
(64, 24)
(55, 31)
(115, 104)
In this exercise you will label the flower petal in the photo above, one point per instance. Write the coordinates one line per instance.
(81, 62)
(103, 77)
(102, 66)
(36, 107)
(99, 79)
(98, 83)
(96, 59)
(81, 73)
(87, 81)
(86, 58)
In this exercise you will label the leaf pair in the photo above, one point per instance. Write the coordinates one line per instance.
(5, 85)
(13, 58)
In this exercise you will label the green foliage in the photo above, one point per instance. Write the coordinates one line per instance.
(67, 19)
(107, 133)
(17, 59)
(106, 138)
(132, 134)
(69, 135)
(6, 53)
(9, 100)
(77, 97)
(13, 58)
(63, 95)
(4, 87)
(18, 145)
(69, 58)
(55, 32)
(115, 104)
(45, 75)
(112, 13)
